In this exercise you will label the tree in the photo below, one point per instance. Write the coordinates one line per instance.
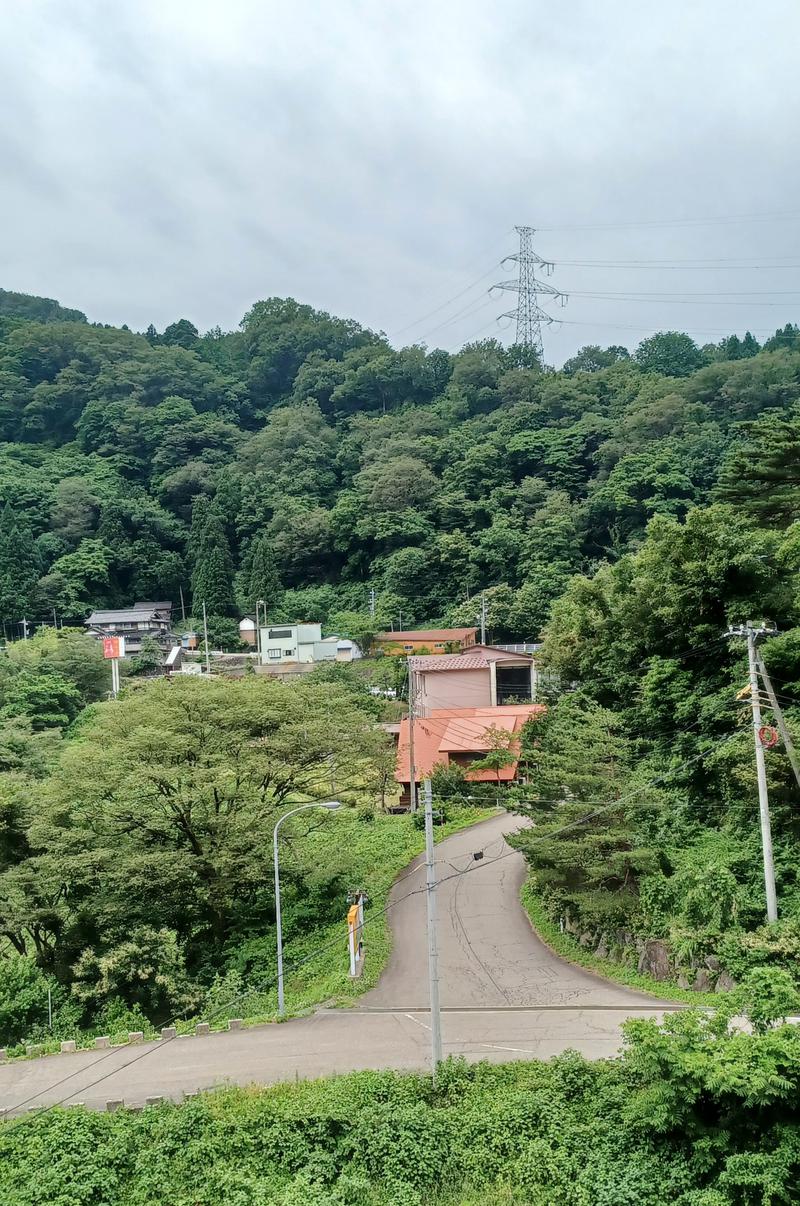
(74, 512)
(146, 969)
(77, 656)
(150, 658)
(18, 565)
(47, 698)
(172, 795)
(261, 579)
(500, 751)
(584, 849)
(212, 583)
(209, 555)
(762, 474)
(592, 358)
(279, 333)
(784, 337)
(78, 581)
(181, 334)
(672, 353)
(734, 348)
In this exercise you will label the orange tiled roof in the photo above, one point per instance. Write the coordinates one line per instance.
(428, 634)
(458, 731)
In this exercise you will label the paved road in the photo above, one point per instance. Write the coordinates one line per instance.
(488, 953)
(505, 996)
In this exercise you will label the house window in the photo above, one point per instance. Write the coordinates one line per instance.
(278, 634)
(438, 644)
(288, 652)
(408, 646)
(274, 654)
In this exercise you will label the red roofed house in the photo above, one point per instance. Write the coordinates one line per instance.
(458, 736)
(425, 640)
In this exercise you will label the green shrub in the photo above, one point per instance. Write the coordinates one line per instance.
(23, 999)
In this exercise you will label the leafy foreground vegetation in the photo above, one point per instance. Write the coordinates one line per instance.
(690, 1116)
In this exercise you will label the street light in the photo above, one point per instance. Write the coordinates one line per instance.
(330, 805)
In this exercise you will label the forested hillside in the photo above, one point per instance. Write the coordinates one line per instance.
(333, 463)
(627, 508)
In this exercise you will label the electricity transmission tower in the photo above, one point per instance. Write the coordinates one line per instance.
(529, 288)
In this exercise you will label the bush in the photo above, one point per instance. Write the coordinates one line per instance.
(768, 995)
(23, 999)
(691, 1116)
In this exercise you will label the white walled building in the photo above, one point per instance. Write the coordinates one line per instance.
(303, 644)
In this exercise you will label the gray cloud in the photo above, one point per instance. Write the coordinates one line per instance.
(184, 159)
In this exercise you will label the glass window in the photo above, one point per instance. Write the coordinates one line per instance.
(278, 634)
(408, 646)
(274, 654)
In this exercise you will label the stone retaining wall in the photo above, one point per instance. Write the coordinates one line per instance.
(651, 957)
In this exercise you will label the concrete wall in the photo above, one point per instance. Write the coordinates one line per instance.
(297, 647)
(453, 689)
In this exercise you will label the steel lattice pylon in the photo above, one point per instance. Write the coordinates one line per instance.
(528, 314)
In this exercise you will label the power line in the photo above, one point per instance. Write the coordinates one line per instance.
(491, 248)
(725, 220)
(445, 304)
(471, 308)
(679, 299)
(722, 265)
(617, 326)
(685, 293)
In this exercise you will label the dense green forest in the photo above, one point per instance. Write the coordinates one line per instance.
(302, 460)
(626, 508)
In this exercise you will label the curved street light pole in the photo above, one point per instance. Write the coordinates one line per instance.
(328, 804)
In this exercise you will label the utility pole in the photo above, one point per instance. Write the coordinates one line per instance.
(528, 314)
(183, 605)
(433, 950)
(752, 630)
(372, 602)
(412, 765)
(205, 637)
(483, 618)
(791, 753)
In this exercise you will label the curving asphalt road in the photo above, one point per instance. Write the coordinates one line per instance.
(488, 954)
(504, 994)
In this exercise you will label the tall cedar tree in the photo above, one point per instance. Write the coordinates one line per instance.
(262, 581)
(18, 566)
(210, 556)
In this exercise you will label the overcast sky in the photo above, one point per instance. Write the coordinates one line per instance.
(166, 158)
